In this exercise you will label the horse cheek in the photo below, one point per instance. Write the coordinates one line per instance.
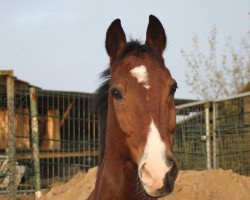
(124, 120)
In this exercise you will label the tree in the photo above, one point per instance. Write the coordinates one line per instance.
(211, 76)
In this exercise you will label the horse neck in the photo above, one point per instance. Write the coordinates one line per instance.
(117, 176)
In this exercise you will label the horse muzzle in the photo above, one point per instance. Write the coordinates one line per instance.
(158, 178)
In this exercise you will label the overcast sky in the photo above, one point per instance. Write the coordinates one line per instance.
(59, 44)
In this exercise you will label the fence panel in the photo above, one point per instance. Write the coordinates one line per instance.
(68, 134)
(12, 134)
(218, 130)
(233, 134)
(68, 131)
(190, 136)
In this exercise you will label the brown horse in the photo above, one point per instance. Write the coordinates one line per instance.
(136, 103)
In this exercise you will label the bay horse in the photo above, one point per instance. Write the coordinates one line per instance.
(136, 104)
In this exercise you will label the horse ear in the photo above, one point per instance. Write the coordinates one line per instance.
(115, 39)
(156, 37)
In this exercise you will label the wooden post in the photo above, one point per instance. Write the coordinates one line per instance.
(22, 126)
(35, 140)
(66, 113)
(11, 137)
(52, 138)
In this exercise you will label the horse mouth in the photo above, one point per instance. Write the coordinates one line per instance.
(157, 194)
(164, 191)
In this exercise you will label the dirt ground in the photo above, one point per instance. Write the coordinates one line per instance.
(190, 185)
(19, 197)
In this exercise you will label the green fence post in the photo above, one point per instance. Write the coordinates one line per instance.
(35, 140)
(11, 137)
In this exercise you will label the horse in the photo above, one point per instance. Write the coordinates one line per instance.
(138, 118)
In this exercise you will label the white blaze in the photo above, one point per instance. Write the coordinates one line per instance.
(141, 74)
(155, 147)
(153, 167)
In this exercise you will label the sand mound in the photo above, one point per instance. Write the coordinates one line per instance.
(79, 187)
(190, 185)
(211, 185)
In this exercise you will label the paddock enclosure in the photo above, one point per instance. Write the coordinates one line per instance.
(49, 136)
(214, 134)
(65, 127)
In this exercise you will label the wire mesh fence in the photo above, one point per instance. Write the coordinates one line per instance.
(68, 132)
(190, 136)
(10, 172)
(52, 134)
(233, 134)
(214, 134)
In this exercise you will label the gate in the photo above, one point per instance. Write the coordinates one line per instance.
(214, 134)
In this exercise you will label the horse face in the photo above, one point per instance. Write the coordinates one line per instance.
(144, 106)
(141, 92)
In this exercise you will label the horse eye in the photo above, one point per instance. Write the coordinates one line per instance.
(116, 94)
(173, 88)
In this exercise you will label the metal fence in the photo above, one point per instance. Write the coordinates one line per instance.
(232, 145)
(45, 136)
(214, 134)
(190, 136)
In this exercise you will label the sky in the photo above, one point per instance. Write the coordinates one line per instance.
(59, 44)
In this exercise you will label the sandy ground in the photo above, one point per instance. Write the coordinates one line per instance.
(19, 197)
(190, 185)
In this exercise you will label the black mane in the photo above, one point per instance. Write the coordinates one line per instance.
(101, 95)
(101, 108)
(135, 47)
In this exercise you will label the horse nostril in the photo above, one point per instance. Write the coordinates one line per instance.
(170, 163)
(171, 175)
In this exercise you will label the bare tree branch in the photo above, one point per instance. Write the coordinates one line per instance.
(210, 77)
